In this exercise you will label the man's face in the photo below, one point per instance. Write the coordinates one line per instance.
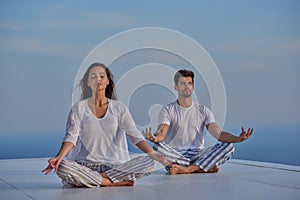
(185, 87)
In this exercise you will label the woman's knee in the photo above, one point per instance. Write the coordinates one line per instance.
(146, 162)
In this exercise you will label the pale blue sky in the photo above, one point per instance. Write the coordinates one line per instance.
(255, 44)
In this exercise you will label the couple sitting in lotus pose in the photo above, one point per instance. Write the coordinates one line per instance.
(95, 144)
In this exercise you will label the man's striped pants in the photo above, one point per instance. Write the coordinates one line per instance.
(205, 158)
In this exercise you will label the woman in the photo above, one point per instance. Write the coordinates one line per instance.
(95, 140)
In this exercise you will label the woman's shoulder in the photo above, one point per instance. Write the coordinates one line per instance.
(117, 105)
(79, 105)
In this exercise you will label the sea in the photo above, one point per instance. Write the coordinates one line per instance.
(267, 144)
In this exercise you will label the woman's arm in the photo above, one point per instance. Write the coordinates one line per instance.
(144, 146)
(72, 133)
(55, 162)
(127, 124)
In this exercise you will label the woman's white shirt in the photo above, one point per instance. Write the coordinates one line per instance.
(101, 139)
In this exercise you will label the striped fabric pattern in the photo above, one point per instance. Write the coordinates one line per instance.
(215, 155)
(77, 175)
(204, 158)
(132, 170)
(87, 174)
(171, 154)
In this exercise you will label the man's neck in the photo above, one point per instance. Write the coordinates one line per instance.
(185, 102)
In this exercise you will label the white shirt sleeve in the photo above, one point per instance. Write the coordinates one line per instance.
(164, 116)
(127, 124)
(209, 116)
(73, 127)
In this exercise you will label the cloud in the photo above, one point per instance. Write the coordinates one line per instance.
(39, 46)
(10, 26)
(258, 53)
(55, 19)
(271, 46)
(58, 30)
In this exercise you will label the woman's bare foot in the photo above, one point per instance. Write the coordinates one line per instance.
(111, 184)
(106, 182)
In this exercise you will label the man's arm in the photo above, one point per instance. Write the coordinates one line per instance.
(223, 136)
(159, 135)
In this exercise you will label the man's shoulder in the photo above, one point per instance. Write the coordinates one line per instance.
(202, 108)
(196, 105)
(170, 105)
(199, 105)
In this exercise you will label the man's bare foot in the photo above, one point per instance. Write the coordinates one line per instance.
(214, 169)
(106, 182)
(179, 169)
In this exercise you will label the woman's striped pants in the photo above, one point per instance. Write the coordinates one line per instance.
(88, 174)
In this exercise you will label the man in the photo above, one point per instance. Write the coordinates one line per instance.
(180, 134)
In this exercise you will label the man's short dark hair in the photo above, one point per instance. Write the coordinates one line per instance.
(183, 73)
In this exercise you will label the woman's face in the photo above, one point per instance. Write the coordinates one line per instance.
(98, 79)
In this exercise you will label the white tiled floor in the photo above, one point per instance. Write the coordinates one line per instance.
(237, 179)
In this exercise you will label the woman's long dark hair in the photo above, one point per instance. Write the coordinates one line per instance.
(87, 91)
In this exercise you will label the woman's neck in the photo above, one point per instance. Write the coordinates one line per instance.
(99, 99)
